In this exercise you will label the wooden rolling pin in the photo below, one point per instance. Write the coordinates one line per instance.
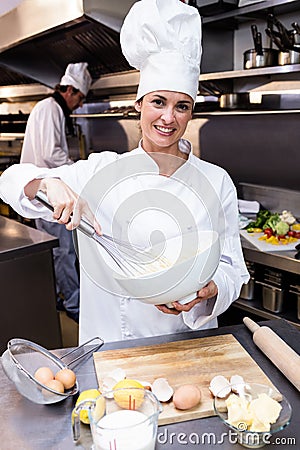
(281, 355)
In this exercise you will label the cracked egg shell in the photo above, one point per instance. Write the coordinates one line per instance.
(146, 385)
(118, 374)
(236, 380)
(220, 383)
(107, 385)
(162, 390)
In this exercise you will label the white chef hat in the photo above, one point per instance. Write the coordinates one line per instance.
(78, 76)
(162, 38)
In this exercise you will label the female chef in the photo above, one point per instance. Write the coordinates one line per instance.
(158, 189)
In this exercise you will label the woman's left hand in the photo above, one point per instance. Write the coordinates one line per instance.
(208, 291)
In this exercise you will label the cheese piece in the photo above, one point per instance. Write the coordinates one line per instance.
(238, 412)
(258, 426)
(265, 409)
(257, 415)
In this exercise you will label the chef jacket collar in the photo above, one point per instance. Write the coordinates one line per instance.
(184, 145)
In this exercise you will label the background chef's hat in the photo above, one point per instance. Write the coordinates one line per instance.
(162, 38)
(78, 76)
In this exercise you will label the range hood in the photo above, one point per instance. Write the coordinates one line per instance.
(40, 37)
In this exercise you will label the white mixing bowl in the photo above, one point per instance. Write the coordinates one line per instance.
(193, 259)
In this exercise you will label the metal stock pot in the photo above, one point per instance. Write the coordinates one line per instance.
(268, 57)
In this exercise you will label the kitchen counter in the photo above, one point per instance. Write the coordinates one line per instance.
(29, 426)
(28, 291)
(18, 240)
(282, 260)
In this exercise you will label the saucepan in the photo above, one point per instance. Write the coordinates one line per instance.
(289, 56)
(239, 100)
(266, 57)
(259, 56)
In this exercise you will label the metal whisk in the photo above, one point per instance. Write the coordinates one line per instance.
(133, 260)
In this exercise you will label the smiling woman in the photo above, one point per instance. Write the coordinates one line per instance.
(164, 118)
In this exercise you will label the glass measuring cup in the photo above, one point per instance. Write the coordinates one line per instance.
(123, 419)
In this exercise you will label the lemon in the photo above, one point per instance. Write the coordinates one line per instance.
(129, 398)
(89, 394)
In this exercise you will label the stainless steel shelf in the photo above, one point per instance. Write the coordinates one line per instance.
(125, 83)
(245, 112)
(106, 116)
(250, 11)
(262, 71)
(252, 306)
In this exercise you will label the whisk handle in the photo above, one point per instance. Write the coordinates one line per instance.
(84, 226)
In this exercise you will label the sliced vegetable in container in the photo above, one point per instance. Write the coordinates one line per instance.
(278, 229)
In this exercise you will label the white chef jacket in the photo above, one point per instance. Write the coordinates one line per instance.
(45, 143)
(114, 317)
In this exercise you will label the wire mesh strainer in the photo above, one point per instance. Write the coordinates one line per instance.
(22, 358)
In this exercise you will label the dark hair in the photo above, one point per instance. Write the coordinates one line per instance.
(63, 88)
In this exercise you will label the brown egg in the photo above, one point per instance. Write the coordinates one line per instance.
(186, 397)
(55, 385)
(43, 375)
(67, 377)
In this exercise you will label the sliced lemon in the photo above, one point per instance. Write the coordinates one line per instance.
(89, 394)
(129, 398)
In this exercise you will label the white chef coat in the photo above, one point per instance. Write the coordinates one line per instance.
(114, 317)
(45, 143)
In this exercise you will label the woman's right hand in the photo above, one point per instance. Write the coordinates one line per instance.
(69, 208)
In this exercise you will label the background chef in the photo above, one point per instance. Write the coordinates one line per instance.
(45, 145)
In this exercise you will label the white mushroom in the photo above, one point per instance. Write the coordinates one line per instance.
(220, 386)
(162, 390)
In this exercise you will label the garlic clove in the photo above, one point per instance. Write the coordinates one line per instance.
(162, 390)
(220, 386)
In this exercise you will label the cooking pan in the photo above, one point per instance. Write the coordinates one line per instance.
(240, 100)
(264, 58)
(289, 56)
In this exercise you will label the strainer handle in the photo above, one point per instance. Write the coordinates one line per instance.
(96, 346)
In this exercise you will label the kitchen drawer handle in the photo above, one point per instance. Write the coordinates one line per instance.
(269, 286)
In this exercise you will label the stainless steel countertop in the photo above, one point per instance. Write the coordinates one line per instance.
(29, 426)
(17, 239)
(283, 260)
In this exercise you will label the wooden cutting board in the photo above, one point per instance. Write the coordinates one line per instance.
(194, 361)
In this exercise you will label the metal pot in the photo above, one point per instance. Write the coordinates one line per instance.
(289, 57)
(272, 297)
(247, 291)
(267, 57)
(239, 100)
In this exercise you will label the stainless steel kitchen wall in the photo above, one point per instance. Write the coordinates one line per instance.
(261, 148)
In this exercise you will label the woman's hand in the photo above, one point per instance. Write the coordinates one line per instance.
(208, 291)
(68, 206)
